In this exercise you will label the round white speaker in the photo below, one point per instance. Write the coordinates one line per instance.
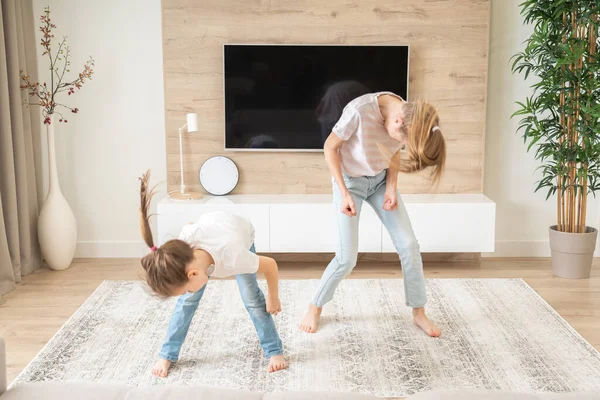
(219, 175)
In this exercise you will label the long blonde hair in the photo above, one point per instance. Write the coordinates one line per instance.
(164, 266)
(425, 147)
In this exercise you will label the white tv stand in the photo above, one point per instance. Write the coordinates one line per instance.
(305, 223)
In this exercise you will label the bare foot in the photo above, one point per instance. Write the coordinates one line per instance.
(161, 368)
(277, 363)
(310, 322)
(421, 320)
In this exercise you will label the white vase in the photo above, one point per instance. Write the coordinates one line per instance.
(57, 228)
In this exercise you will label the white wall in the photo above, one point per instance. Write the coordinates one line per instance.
(119, 132)
(120, 129)
(523, 217)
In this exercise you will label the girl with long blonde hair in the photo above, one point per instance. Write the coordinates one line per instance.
(363, 153)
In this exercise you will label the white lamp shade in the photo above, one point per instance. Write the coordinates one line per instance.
(192, 122)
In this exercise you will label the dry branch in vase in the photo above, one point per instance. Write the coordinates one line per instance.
(46, 95)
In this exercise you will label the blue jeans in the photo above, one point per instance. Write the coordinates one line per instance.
(254, 301)
(372, 190)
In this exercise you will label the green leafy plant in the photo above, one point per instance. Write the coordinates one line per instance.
(560, 120)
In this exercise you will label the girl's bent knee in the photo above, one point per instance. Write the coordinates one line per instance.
(410, 246)
(346, 264)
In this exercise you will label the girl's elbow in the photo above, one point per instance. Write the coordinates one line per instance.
(268, 265)
(274, 264)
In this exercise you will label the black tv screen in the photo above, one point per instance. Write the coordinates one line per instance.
(289, 97)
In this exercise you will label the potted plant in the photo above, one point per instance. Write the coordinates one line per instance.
(57, 228)
(560, 120)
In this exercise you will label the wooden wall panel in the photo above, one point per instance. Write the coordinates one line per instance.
(448, 67)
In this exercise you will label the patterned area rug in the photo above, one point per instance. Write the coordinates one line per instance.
(497, 334)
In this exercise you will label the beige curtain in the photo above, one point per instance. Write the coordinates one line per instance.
(19, 147)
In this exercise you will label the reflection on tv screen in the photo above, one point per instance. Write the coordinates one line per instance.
(289, 97)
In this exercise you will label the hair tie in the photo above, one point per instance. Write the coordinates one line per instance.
(435, 128)
(153, 249)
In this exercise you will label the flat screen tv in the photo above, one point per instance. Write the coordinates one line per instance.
(289, 97)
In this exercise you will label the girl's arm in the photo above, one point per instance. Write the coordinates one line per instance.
(391, 179)
(268, 267)
(390, 198)
(332, 156)
(332, 146)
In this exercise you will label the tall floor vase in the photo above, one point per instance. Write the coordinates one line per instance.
(57, 228)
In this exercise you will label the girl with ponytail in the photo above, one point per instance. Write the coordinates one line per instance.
(219, 245)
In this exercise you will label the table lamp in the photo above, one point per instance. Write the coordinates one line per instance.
(190, 126)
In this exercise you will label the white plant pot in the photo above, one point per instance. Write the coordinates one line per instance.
(57, 228)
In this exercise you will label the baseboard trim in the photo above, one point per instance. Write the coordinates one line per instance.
(108, 249)
(522, 248)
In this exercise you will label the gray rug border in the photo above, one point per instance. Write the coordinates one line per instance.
(98, 288)
(556, 314)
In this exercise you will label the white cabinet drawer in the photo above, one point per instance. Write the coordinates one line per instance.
(450, 227)
(313, 228)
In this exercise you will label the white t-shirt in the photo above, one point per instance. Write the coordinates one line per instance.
(362, 127)
(228, 239)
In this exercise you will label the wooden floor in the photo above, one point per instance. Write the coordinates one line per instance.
(32, 314)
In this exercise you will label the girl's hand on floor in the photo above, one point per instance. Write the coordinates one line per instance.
(348, 207)
(273, 305)
(390, 201)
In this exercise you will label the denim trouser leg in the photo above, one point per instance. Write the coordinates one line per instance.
(397, 223)
(180, 323)
(400, 229)
(345, 257)
(254, 301)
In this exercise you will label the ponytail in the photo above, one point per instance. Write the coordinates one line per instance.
(426, 146)
(165, 267)
(146, 194)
